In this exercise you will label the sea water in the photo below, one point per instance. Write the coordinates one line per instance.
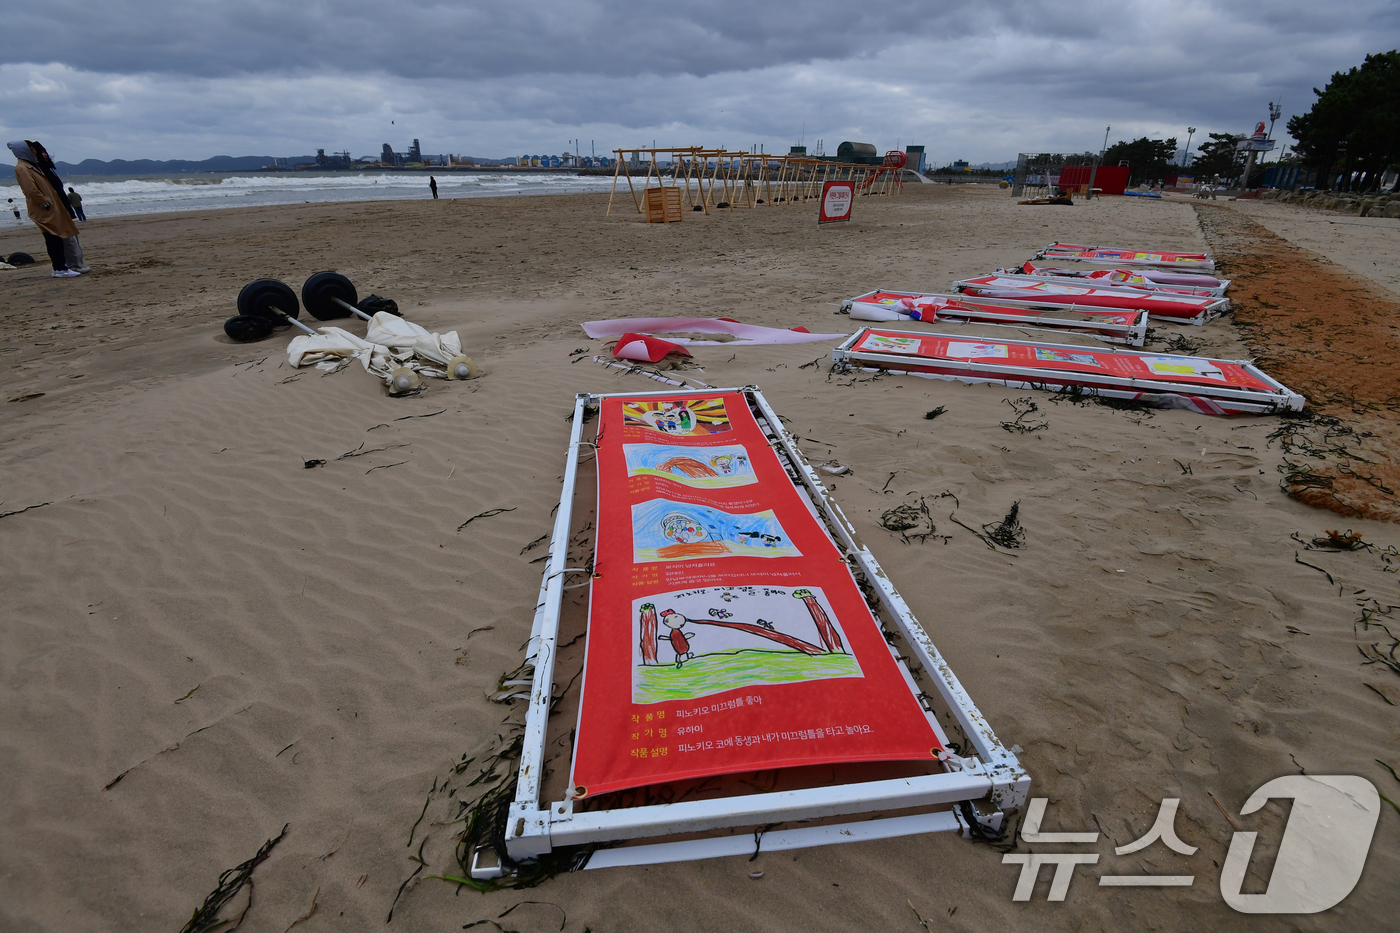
(105, 196)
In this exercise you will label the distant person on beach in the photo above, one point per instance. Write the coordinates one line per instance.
(48, 208)
(76, 199)
(432, 183)
(15, 207)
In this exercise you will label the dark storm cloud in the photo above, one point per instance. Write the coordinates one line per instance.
(414, 38)
(128, 78)
(467, 40)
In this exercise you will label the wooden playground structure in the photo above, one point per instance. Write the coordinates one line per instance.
(720, 179)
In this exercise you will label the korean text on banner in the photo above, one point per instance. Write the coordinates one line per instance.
(725, 633)
(837, 198)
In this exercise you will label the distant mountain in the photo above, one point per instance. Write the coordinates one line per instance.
(185, 166)
(170, 167)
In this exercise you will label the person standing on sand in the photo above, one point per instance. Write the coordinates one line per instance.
(72, 252)
(47, 206)
(15, 207)
(76, 199)
(432, 183)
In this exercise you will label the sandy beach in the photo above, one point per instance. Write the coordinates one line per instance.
(204, 640)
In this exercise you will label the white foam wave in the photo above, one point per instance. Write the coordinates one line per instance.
(201, 192)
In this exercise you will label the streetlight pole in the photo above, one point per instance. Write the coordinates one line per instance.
(1095, 170)
(1190, 131)
(1275, 111)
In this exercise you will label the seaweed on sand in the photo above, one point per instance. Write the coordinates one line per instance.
(1008, 533)
(206, 916)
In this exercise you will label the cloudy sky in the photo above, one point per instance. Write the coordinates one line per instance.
(981, 81)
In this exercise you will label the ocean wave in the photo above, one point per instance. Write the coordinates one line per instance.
(160, 194)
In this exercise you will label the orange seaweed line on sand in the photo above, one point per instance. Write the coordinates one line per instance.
(1318, 330)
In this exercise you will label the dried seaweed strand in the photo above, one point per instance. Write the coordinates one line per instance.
(487, 514)
(360, 451)
(25, 509)
(1299, 560)
(206, 917)
(384, 466)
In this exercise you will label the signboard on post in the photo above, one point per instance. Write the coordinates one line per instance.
(837, 197)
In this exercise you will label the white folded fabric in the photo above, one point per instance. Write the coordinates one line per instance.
(390, 343)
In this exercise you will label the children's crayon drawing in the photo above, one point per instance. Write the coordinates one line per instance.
(1181, 366)
(976, 351)
(1060, 356)
(667, 530)
(702, 467)
(886, 344)
(694, 643)
(678, 417)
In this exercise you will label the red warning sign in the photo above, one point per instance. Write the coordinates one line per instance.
(837, 197)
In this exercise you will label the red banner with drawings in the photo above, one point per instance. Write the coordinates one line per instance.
(1085, 361)
(725, 632)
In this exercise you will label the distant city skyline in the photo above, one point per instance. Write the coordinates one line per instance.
(977, 83)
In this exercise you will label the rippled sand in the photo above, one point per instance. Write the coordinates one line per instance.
(249, 643)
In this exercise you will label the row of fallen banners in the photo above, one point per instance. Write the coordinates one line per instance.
(726, 632)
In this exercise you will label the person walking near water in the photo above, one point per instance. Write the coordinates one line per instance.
(76, 199)
(432, 183)
(48, 208)
(15, 207)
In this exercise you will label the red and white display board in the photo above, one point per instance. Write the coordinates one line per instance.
(725, 632)
(1196, 284)
(1114, 255)
(837, 199)
(1033, 289)
(1115, 325)
(727, 635)
(1212, 387)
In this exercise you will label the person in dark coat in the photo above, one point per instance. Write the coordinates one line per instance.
(76, 199)
(72, 252)
(432, 183)
(48, 208)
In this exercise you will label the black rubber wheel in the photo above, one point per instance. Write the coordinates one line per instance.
(246, 328)
(318, 291)
(258, 298)
(20, 259)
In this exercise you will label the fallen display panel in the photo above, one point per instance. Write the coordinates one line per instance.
(1113, 255)
(1115, 325)
(1182, 309)
(713, 527)
(1212, 387)
(1196, 284)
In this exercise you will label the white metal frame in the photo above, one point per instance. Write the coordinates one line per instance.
(1072, 277)
(992, 775)
(1060, 252)
(1243, 401)
(1134, 334)
(1211, 306)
